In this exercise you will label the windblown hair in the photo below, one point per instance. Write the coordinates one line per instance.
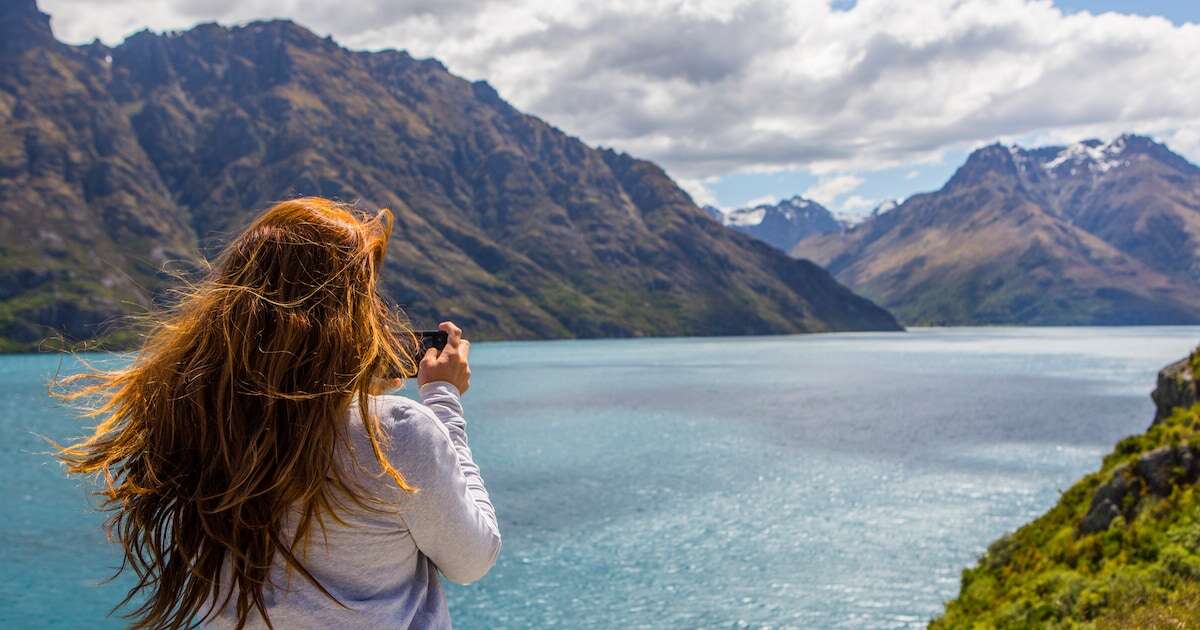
(228, 417)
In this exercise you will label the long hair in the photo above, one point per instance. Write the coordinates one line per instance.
(228, 417)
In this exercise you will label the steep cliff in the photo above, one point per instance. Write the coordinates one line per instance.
(1176, 387)
(1120, 550)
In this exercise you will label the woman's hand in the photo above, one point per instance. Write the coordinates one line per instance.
(450, 364)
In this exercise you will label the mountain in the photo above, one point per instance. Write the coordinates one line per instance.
(1121, 549)
(1091, 233)
(120, 165)
(783, 224)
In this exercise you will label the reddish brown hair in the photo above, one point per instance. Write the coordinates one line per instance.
(229, 415)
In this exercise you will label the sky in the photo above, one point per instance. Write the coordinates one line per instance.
(849, 102)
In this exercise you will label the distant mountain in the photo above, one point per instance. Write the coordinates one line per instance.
(117, 161)
(1091, 233)
(783, 224)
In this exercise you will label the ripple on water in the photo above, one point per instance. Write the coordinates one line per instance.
(832, 481)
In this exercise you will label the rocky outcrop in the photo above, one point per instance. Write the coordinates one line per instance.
(1155, 473)
(1128, 546)
(1176, 388)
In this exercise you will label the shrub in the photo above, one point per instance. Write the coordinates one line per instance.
(1143, 572)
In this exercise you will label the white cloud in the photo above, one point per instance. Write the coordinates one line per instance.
(763, 200)
(699, 190)
(913, 174)
(828, 189)
(1185, 140)
(708, 88)
(858, 202)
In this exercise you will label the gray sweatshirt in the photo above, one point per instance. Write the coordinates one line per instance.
(384, 567)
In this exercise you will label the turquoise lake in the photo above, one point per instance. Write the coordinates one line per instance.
(822, 481)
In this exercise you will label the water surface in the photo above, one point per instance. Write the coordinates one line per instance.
(830, 481)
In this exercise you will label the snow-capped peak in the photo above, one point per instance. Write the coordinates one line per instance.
(792, 209)
(797, 202)
(795, 210)
(1090, 154)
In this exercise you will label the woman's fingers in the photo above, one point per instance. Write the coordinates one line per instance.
(450, 364)
(453, 331)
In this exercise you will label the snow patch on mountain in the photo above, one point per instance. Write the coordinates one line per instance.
(1090, 154)
(781, 224)
(795, 209)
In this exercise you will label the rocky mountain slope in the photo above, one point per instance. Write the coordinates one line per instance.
(781, 225)
(1122, 547)
(1092, 233)
(119, 165)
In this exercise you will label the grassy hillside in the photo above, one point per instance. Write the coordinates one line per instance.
(1120, 550)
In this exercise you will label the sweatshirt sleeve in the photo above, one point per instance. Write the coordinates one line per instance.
(450, 517)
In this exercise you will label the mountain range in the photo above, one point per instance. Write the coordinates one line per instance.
(123, 167)
(1091, 233)
(780, 225)
(785, 223)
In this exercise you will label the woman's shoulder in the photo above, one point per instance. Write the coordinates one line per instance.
(407, 421)
(413, 440)
(418, 443)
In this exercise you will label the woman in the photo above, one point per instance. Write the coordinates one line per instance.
(255, 479)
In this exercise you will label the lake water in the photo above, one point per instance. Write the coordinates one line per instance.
(825, 481)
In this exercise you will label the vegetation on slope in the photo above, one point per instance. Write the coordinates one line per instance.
(120, 163)
(1120, 550)
(1090, 234)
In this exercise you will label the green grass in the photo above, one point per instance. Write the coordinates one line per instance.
(1139, 574)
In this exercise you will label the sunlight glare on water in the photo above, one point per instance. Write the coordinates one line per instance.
(833, 481)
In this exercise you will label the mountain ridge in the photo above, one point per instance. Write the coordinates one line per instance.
(118, 161)
(1089, 233)
(781, 224)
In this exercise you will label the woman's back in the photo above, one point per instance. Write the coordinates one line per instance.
(378, 563)
(253, 475)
